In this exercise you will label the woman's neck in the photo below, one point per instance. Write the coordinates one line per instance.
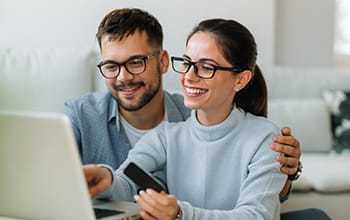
(213, 116)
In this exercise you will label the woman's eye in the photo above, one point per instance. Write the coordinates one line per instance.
(186, 64)
(207, 68)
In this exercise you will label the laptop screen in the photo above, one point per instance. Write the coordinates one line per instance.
(41, 175)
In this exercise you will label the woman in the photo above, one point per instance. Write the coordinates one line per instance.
(217, 164)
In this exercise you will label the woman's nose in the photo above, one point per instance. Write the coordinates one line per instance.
(192, 73)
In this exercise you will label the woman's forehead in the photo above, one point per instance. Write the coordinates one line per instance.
(204, 45)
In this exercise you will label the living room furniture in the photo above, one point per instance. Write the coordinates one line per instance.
(296, 99)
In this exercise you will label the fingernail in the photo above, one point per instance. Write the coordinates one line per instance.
(136, 197)
(149, 191)
(142, 192)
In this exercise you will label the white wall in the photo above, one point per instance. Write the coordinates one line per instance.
(73, 23)
(288, 32)
(305, 32)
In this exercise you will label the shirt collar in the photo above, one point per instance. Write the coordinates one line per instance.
(113, 112)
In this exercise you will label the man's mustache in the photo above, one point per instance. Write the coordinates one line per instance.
(126, 85)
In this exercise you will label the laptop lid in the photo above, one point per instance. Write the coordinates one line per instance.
(40, 168)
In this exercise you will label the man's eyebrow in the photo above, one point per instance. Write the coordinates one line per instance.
(130, 58)
(108, 61)
(136, 57)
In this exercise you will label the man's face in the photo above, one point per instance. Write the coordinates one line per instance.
(133, 92)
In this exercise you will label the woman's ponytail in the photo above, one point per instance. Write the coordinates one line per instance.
(253, 98)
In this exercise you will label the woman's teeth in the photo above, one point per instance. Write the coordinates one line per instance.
(195, 91)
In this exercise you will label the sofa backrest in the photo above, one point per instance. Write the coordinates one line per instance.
(293, 82)
(42, 79)
(295, 100)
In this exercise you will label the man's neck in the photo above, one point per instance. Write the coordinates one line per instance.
(149, 116)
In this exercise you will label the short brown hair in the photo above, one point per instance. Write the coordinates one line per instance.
(121, 23)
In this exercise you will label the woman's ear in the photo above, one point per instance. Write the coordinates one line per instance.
(243, 79)
(164, 61)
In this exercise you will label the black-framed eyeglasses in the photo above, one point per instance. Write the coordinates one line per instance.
(201, 69)
(134, 65)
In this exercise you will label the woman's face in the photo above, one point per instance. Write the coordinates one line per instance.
(213, 95)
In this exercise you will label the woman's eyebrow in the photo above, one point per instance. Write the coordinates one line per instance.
(187, 57)
(201, 60)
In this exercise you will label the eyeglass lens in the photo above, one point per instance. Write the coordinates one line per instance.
(134, 66)
(204, 70)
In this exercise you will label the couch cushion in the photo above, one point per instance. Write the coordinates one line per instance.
(339, 104)
(324, 173)
(42, 79)
(308, 118)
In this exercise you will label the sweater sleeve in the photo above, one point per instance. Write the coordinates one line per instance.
(149, 154)
(259, 192)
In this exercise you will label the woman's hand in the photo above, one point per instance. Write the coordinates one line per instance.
(290, 146)
(97, 178)
(160, 206)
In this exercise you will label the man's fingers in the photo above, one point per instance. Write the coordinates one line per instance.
(288, 170)
(287, 140)
(286, 131)
(285, 149)
(290, 162)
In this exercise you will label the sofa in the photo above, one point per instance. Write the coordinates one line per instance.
(308, 101)
(41, 79)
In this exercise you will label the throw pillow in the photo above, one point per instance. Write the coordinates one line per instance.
(339, 104)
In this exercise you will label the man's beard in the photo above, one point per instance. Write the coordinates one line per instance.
(145, 98)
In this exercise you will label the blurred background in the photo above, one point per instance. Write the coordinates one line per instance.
(288, 32)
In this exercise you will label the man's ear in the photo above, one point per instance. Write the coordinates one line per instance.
(243, 79)
(164, 61)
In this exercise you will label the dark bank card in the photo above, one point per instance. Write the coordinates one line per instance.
(142, 178)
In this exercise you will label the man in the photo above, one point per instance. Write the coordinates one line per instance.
(107, 125)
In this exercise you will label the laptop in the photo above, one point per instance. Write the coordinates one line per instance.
(40, 172)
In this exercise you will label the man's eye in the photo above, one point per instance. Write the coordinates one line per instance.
(110, 67)
(136, 62)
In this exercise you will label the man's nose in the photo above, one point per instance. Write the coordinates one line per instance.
(124, 75)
